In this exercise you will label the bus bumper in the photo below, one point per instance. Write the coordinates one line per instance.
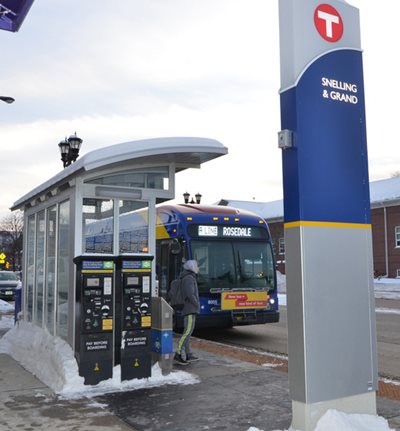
(228, 319)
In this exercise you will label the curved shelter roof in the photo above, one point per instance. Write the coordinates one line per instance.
(184, 152)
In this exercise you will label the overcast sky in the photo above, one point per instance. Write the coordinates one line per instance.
(116, 71)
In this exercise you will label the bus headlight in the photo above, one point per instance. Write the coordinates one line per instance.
(272, 301)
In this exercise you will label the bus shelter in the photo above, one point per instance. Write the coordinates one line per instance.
(94, 193)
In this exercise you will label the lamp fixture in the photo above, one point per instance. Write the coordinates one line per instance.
(198, 198)
(186, 197)
(69, 149)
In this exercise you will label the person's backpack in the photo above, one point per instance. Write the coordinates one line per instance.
(176, 298)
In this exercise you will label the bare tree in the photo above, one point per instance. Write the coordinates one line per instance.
(11, 227)
(395, 174)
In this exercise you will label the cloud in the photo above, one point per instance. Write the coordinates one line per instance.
(132, 69)
(36, 150)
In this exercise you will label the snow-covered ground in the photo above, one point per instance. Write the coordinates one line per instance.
(334, 420)
(387, 288)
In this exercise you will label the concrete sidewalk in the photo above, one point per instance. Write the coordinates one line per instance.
(237, 389)
(26, 404)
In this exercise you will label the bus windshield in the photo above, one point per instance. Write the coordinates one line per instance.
(234, 265)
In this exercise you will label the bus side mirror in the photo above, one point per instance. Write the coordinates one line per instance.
(175, 247)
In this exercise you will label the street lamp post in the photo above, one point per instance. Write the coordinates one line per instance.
(69, 149)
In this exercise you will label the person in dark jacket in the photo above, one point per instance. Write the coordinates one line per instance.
(191, 308)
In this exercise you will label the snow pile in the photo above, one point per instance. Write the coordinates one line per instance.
(6, 322)
(387, 288)
(51, 359)
(281, 281)
(334, 420)
(78, 390)
(5, 307)
(6, 315)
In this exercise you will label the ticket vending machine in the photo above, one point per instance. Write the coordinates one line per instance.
(133, 319)
(94, 341)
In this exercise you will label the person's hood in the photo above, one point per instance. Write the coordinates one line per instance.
(191, 265)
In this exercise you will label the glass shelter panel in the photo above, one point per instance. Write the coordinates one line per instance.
(98, 226)
(40, 249)
(63, 259)
(144, 178)
(30, 276)
(133, 227)
(51, 267)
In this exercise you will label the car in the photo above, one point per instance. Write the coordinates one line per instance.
(8, 283)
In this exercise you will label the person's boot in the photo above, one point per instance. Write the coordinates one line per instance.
(191, 358)
(179, 360)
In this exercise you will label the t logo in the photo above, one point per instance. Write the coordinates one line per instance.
(328, 22)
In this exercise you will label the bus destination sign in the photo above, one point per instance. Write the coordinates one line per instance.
(208, 230)
(220, 231)
(225, 231)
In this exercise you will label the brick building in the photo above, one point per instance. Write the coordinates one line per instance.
(385, 220)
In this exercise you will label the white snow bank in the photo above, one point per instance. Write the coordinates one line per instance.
(387, 288)
(51, 359)
(334, 420)
(282, 299)
(384, 280)
(6, 322)
(5, 307)
(281, 282)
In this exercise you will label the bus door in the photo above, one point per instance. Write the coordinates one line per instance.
(169, 263)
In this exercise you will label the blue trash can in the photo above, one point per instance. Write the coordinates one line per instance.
(18, 302)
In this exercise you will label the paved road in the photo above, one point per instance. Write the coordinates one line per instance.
(273, 337)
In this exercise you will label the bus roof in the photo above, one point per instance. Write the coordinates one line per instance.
(197, 209)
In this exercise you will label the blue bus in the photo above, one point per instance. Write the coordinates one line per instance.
(237, 280)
